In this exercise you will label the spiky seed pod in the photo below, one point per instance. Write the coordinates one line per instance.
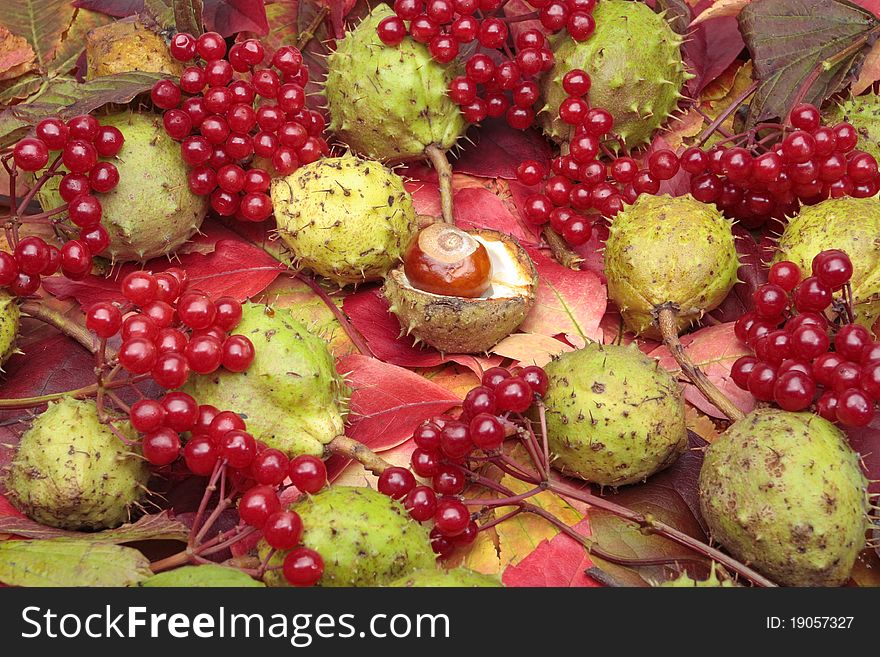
(686, 581)
(203, 576)
(151, 212)
(784, 492)
(389, 103)
(10, 316)
(864, 114)
(469, 325)
(663, 250)
(614, 416)
(291, 395)
(127, 45)
(345, 218)
(634, 61)
(440, 578)
(364, 537)
(70, 471)
(849, 224)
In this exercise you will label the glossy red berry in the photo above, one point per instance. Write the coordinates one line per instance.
(308, 473)
(486, 431)
(138, 355)
(833, 268)
(30, 154)
(396, 482)
(283, 530)
(513, 394)
(421, 502)
(104, 319)
(147, 415)
(303, 567)
(53, 132)
(451, 517)
(161, 447)
(257, 504)
(785, 274)
(854, 408)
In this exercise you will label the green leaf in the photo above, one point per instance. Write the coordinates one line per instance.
(70, 563)
(151, 527)
(66, 98)
(42, 22)
(188, 16)
(74, 43)
(797, 44)
(160, 12)
(208, 575)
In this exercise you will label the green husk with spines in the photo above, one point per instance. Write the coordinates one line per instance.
(10, 317)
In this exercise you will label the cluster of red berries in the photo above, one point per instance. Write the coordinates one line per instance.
(500, 84)
(169, 330)
(79, 144)
(260, 507)
(811, 162)
(228, 120)
(443, 445)
(800, 358)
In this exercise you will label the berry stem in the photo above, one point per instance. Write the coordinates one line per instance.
(721, 118)
(66, 325)
(666, 320)
(444, 171)
(345, 446)
(531, 16)
(303, 38)
(561, 253)
(352, 333)
(79, 393)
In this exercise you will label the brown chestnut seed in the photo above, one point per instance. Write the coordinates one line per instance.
(445, 260)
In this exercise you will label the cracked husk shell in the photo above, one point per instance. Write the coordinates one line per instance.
(152, 211)
(71, 472)
(127, 45)
(851, 225)
(365, 538)
(614, 416)
(468, 325)
(863, 112)
(291, 396)
(345, 218)
(669, 250)
(10, 317)
(440, 578)
(785, 493)
(635, 64)
(389, 102)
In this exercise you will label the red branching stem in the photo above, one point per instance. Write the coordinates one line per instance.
(500, 519)
(352, 333)
(721, 118)
(504, 501)
(223, 503)
(240, 532)
(219, 467)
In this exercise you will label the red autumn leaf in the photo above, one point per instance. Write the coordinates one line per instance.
(714, 349)
(680, 183)
(752, 274)
(234, 268)
(711, 46)
(569, 302)
(6, 509)
(388, 402)
(498, 149)
(224, 16)
(561, 562)
(866, 441)
(368, 312)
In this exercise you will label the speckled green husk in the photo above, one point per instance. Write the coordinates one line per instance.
(849, 224)
(347, 219)
(389, 102)
(10, 316)
(204, 576)
(70, 471)
(784, 493)
(365, 538)
(291, 396)
(440, 578)
(864, 114)
(614, 416)
(669, 250)
(151, 212)
(634, 61)
(685, 581)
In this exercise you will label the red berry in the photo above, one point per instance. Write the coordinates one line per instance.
(449, 480)
(223, 423)
(762, 380)
(85, 210)
(427, 436)
(770, 301)
(30, 154)
(854, 408)
(537, 379)
(181, 411)
(794, 390)
(465, 29)
(200, 455)
(161, 447)
(283, 530)
(238, 448)
(493, 376)
(391, 30)
(455, 442)
(139, 326)
(79, 156)
(809, 342)
(53, 132)
(513, 394)
(104, 319)
(303, 567)
(171, 370)
(96, 238)
(103, 177)
(210, 45)
(741, 369)
(851, 341)
(421, 502)
(196, 310)
(833, 268)
(812, 295)
(147, 415)
(237, 353)
(165, 94)
(493, 33)
(424, 462)
(396, 482)
(204, 354)
(663, 164)
(451, 517)
(308, 473)
(32, 255)
(785, 274)
(138, 355)
(270, 467)
(486, 431)
(257, 504)
(479, 400)
(805, 117)
(530, 172)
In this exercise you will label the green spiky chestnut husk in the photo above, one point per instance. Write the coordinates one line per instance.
(452, 578)
(10, 317)
(863, 112)
(291, 395)
(202, 576)
(851, 225)
(685, 581)
(71, 472)
(635, 64)
(663, 250)
(152, 211)
(345, 218)
(784, 492)
(467, 325)
(365, 538)
(614, 416)
(389, 103)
